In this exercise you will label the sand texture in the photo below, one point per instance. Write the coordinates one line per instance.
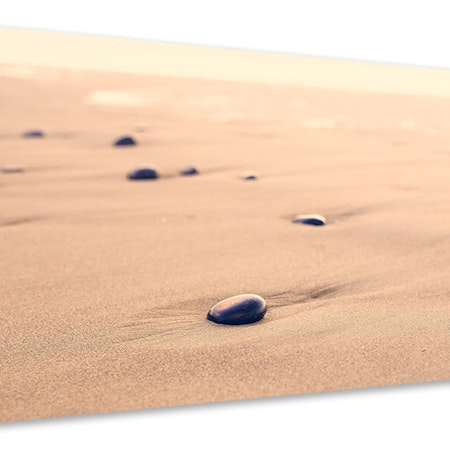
(106, 282)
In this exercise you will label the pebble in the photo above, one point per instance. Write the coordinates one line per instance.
(250, 176)
(125, 140)
(191, 170)
(12, 169)
(310, 219)
(144, 173)
(33, 134)
(238, 310)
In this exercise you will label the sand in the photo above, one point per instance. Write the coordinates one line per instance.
(106, 282)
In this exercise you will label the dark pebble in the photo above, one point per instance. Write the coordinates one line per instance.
(143, 174)
(191, 170)
(238, 310)
(310, 219)
(13, 169)
(125, 140)
(250, 176)
(33, 134)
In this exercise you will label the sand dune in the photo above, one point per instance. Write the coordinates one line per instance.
(107, 282)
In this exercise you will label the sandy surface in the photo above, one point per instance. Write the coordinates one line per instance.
(106, 283)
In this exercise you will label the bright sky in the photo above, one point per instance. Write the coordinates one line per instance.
(52, 49)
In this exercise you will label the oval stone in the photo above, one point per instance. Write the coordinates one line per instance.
(250, 176)
(238, 310)
(33, 134)
(191, 170)
(124, 140)
(12, 169)
(145, 173)
(310, 219)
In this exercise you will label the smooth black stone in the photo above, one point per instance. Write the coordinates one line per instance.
(189, 171)
(33, 134)
(311, 219)
(143, 174)
(238, 310)
(250, 176)
(125, 140)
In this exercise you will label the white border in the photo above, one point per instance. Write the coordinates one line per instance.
(414, 32)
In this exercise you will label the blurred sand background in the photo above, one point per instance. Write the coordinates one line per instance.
(106, 283)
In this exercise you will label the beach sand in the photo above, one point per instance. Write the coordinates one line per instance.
(106, 282)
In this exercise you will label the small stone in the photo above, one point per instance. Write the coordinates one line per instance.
(250, 176)
(12, 169)
(191, 170)
(144, 173)
(125, 140)
(238, 310)
(33, 134)
(310, 219)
